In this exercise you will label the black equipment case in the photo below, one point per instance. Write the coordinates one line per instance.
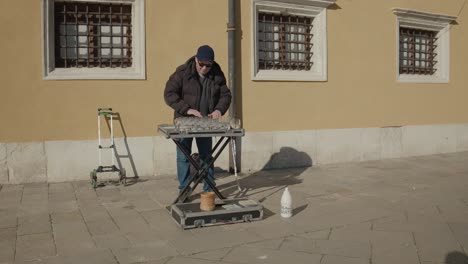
(229, 211)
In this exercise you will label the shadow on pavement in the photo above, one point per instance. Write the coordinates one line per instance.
(129, 181)
(456, 257)
(299, 209)
(267, 181)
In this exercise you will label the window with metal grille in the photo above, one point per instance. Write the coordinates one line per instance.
(417, 51)
(284, 42)
(90, 34)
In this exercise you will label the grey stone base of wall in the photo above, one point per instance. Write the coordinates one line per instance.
(56, 161)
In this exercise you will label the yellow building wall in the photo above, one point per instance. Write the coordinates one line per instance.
(361, 90)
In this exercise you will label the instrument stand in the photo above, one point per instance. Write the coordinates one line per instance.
(225, 135)
(226, 211)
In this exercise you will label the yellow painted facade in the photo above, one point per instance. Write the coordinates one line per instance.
(361, 90)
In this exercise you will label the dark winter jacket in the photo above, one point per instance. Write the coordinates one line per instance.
(183, 89)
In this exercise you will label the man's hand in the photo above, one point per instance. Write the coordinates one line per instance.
(215, 115)
(194, 112)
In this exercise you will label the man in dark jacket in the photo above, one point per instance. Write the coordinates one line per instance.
(197, 88)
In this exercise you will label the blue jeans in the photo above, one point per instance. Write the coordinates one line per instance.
(183, 165)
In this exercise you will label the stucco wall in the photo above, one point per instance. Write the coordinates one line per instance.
(33, 109)
(361, 90)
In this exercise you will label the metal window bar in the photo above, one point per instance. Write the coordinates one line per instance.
(99, 38)
(284, 42)
(79, 34)
(88, 29)
(417, 51)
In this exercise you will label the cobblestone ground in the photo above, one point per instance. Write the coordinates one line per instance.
(412, 210)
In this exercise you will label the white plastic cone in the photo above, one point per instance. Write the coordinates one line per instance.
(286, 204)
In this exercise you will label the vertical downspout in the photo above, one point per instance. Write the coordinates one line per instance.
(231, 29)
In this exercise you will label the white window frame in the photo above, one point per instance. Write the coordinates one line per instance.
(138, 69)
(426, 21)
(311, 8)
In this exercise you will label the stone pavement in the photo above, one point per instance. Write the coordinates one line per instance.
(412, 210)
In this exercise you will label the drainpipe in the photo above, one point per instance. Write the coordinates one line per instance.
(231, 29)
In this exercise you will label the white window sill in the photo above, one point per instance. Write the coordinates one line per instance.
(408, 78)
(284, 75)
(96, 74)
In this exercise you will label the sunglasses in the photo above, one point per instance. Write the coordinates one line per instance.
(208, 65)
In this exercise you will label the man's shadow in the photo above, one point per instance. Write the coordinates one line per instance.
(267, 181)
(456, 257)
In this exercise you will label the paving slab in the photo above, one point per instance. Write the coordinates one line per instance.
(413, 226)
(33, 209)
(112, 241)
(317, 221)
(62, 196)
(144, 203)
(93, 212)
(61, 187)
(8, 218)
(185, 260)
(321, 234)
(453, 210)
(460, 232)
(63, 206)
(35, 246)
(270, 256)
(159, 261)
(213, 240)
(109, 194)
(353, 249)
(72, 237)
(144, 254)
(331, 259)
(67, 217)
(128, 220)
(411, 210)
(34, 224)
(164, 196)
(34, 192)
(85, 197)
(269, 243)
(91, 256)
(350, 233)
(274, 227)
(145, 238)
(216, 254)
(10, 196)
(434, 245)
(102, 227)
(390, 253)
(161, 222)
(7, 244)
